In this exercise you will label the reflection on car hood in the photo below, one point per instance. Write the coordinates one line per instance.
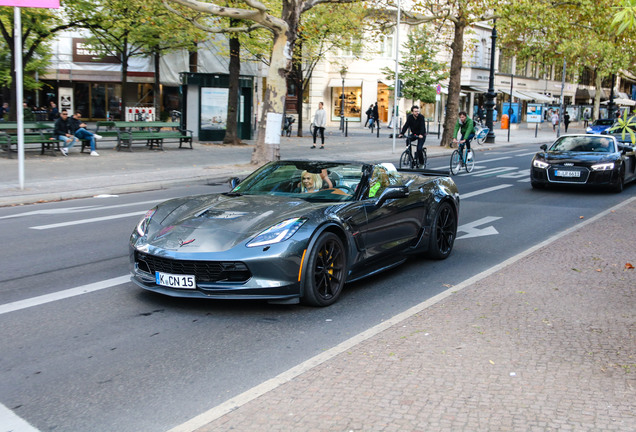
(215, 223)
(576, 157)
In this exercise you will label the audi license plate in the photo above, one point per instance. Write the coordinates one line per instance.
(175, 281)
(567, 173)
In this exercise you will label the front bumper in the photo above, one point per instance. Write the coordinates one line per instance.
(273, 275)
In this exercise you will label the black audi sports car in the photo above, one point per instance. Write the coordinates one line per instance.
(590, 160)
(294, 231)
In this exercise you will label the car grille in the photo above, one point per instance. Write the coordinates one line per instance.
(204, 271)
(582, 177)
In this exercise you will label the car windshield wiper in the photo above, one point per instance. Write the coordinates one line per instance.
(233, 194)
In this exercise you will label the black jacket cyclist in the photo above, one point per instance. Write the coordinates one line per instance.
(417, 124)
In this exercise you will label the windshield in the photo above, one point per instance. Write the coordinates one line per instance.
(603, 122)
(314, 181)
(591, 144)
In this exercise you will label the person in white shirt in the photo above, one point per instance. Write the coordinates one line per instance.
(320, 121)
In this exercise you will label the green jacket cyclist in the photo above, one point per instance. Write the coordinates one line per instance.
(467, 128)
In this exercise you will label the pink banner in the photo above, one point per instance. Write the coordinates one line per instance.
(52, 4)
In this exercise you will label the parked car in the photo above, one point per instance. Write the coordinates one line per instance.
(268, 239)
(599, 125)
(598, 160)
(623, 136)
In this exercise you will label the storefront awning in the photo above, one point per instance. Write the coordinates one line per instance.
(445, 91)
(621, 101)
(516, 94)
(478, 89)
(538, 97)
(337, 82)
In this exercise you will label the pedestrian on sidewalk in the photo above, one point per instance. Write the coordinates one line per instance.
(586, 118)
(369, 114)
(64, 132)
(80, 131)
(555, 120)
(376, 115)
(566, 121)
(320, 121)
(53, 111)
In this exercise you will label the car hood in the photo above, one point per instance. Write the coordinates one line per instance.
(576, 157)
(216, 223)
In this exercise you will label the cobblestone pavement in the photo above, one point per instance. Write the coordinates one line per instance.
(545, 343)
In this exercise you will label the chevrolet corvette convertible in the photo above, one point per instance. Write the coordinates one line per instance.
(294, 231)
(589, 160)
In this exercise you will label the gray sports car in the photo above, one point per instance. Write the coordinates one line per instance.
(294, 231)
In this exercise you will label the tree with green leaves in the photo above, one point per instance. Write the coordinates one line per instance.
(324, 29)
(282, 21)
(419, 70)
(39, 27)
(577, 32)
(133, 28)
(456, 16)
(625, 17)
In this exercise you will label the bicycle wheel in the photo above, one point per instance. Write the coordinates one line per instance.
(470, 161)
(455, 163)
(424, 157)
(406, 160)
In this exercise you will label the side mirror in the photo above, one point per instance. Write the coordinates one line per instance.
(234, 182)
(544, 147)
(393, 192)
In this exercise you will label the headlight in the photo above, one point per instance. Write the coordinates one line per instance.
(540, 164)
(277, 233)
(603, 167)
(143, 223)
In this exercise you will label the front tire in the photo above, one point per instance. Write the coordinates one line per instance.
(443, 232)
(325, 271)
(455, 163)
(406, 160)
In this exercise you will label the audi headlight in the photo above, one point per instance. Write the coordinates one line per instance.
(142, 226)
(603, 166)
(277, 233)
(540, 164)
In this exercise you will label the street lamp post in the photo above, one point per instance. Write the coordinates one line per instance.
(343, 74)
(491, 95)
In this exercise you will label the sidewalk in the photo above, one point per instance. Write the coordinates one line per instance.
(52, 178)
(544, 342)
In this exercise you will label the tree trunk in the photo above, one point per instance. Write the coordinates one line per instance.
(598, 83)
(231, 135)
(454, 83)
(298, 78)
(156, 86)
(268, 141)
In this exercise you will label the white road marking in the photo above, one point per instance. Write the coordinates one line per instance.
(471, 229)
(71, 292)
(483, 191)
(10, 422)
(91, 220)
(516, 175)
(283, 378)
(79, 209)
(527, 154)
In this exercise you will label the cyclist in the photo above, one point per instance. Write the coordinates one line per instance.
(417, 124)
(467, 127)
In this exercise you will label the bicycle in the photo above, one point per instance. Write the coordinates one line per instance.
(481, 132)
(408, 159)
(460, 159)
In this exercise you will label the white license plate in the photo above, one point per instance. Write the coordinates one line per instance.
(175, 281)
(562, 173)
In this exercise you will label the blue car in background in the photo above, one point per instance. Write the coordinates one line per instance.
(599, 126)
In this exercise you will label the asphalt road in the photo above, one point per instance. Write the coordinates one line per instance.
(83, 349)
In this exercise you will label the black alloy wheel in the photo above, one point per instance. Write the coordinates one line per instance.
(325, 271)
(443, 232)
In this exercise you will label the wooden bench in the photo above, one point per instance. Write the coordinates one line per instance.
(152, 133)
(38, 133)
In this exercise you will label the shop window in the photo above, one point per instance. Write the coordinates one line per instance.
(352, 103)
